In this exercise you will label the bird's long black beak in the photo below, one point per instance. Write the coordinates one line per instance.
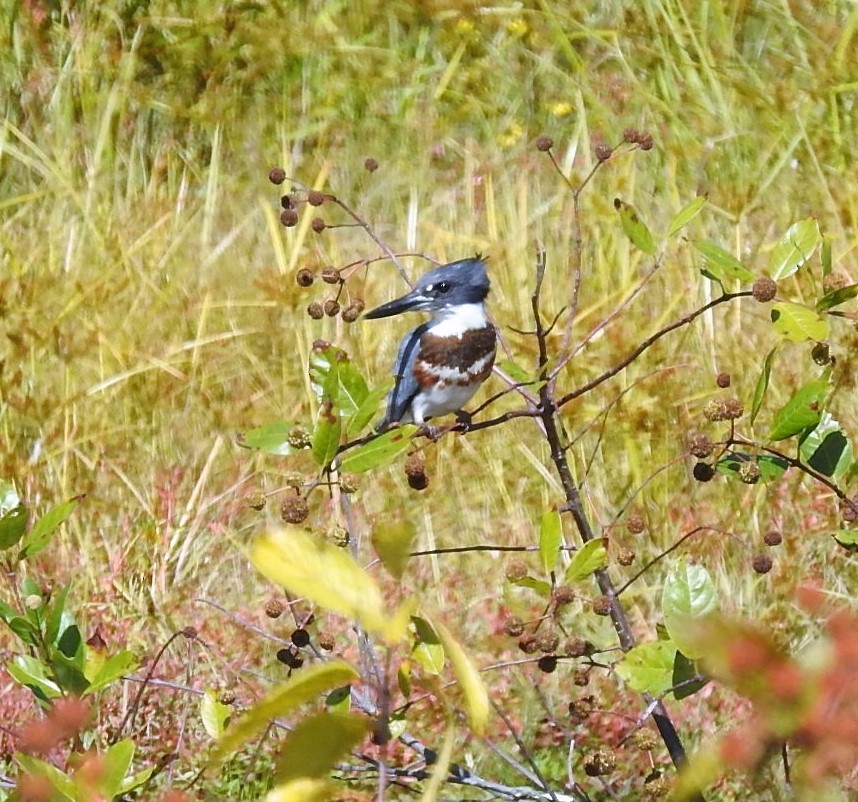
(414, 300)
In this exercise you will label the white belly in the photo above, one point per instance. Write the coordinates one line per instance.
(440, 401)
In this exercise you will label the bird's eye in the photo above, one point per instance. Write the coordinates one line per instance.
(442, 287)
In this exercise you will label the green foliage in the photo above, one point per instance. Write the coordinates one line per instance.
(689, 594)
(587, 560)
(721, 265)
(635, 228)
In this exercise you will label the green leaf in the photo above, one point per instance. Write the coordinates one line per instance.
(304, 686)
(13, 516)
(339, 700)
(689, 595)
(803, 411)
(826, 255)
(550, 536)
(587, 560)
(795, 247)
(323, 573)
(326, 437)
(33, 674)
(469, 679)
(542, 587)
(392, 541)
(427, 650)
(826, 448)
(848, 538)
(648, 668)
(114, 668)
(40, 535)
(116, 762)
(270, 438)
(762, 384)
(302, 790)
(837, 297)
(379, 451)
(798, 323)
(368, 409)
(59, 618)
(771, 467)
(68, 672)
(25, 629)
(59, 780)
(721, 264)
(685, 670)
(635, 228)
(214, 714)
(686, 215)
(318, 743)
(323, 368)
(351, 388)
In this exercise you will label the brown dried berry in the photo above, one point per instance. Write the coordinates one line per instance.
(644, 739)
(318, 225)
(274, 607)
(625, 557)
(749, 473)
(348, 483)
(723, 379)
(544, 143)
(331, 307)
(294, 510)
(304, 277)
(190, 632)
(773, 538)
(581, 678)
(300, 637)
(330, 275)
(733, 408)
(547, 663)
(516, 570)
(821, 354)
(601, 605)
(415, 472)
(528, 643)
(631, 135)
(276, 175)
(315, 198)
(703, 472)
(603, 152)
(325, 641)
(370, 165)
(575, 647)
(513, 626)
(350, 314)
(764, 289)
(700, 445)
(714, 410)
(289, 217)
(299, 438)
(226, 696)
(762, 563)
(563, 595)
(645, 142)
(599, 763)
(636, 523)
(580, 709)
(548, 642)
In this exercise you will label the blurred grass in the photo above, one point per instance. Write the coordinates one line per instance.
(149, 306)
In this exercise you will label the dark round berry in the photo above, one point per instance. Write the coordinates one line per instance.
(274, 607)
(318, 225)
(277, 175)
(700, 445)
(289, 218)
(764, 289)
(330, 275)
(370, 165)
(300, 637)
(315, 198)
(544, 143)
(304, 277)
(294, 510)
(286, 201)
(773, 538)
(315, 310)
(703, 472)
(603, 152)
(331, 307)
(600, 763)
(723, 379)
(762, 563)
(547, 663)
(645, 142)
(602, 605)
(415, 472)
(821, 354)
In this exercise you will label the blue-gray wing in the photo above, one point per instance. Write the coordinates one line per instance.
(400, 397)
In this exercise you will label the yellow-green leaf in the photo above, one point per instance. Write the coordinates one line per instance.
(313, 748)
(762, 384)
(648, 668)
(635, 228)
(803, 411)
(794, 248)
(322, 573)
(470, 681)
(798, 323)
(550, 535)
(302, 790)
(379, 451)
(214, 714)
(686, 215)
(392, 541)
(721, 264)
(304, 686)
(326, 436)
(689, 595)
(587, 560)
(427, 650)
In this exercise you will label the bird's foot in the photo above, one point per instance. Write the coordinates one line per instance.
(463, 421)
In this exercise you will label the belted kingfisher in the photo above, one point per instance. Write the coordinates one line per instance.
(442, 362)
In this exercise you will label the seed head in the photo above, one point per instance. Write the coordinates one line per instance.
(276, 175)
(764, 289)
(700, 445)
(581, 678)
(318, 225)
(563, 595)
(603, 152)
(289, 218)
(304, 277)
(636, 523)
(548, 642)
(599, 763)
(544, 143)
(370, 165)
(274, 607)
(513, 626)
(528, 643)
(351, 313)
(575, 647)
(645, 142)
(298, 438)
(625, 557)
(226, 696)
(331, 307)
(516, 570)
(325, 641)
(330, 275)
(773, 538)
(601, 605)
(294, 510)
(315, 198)
(415, 472)
(733, 408)
(762, 563)
(723, 379)
(749, 473)
(703, 472)
(644, 739)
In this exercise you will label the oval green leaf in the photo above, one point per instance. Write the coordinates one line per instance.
(550, 535)
(40, 535)
(762, 384)
(686, 215)
(635, 228)
(648, 668)
(848, 538)
(272, 438)
(689, 595)
(379, 451)
(427, 650)
(392, 541)
(721, 264)
(587, 560)
(794, 248)
(826, 448)
(214, 714)
(803, 411)
(837, 297)
(326, 436)
(798, 323)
